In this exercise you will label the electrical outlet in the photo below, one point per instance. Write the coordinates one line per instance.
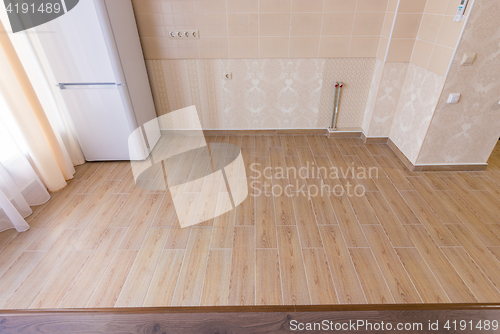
(184, 34)
(228, 75)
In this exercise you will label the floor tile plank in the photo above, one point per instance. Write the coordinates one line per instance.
(452, 283)
(344, 275)
(479, 284)
(321, 288)
(400, 285)
(306, 222)
(372, 281)
(268, 278)
(190, 283)
(242, 277)
(293, 275)
(426, 284)
(136, 286)
(162, 288)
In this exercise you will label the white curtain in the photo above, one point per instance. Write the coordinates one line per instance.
(20, 187)
(38, 147)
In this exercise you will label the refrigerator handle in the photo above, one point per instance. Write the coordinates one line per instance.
(89, 85)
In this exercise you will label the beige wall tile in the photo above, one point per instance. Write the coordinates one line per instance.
(341, 28)
(275, 5)
(160, 42)
(141, 6)
(392, 5)
(273, 47)
(211, 25)
(165, 53)
(208, 6)
(382, 48)
(406, 25)
(400, 50)
(334, 46)
(168, 20)
(307, 6)
(150, 48)
(429, 27)
(188, 53)
(411, 6)
(176, 6)
(372, 5)
(449, 33)
(244, 47)
(337, 23)
(422, 53)
(149, 19)
(186, 49)
(453, 7)
(151, 31)
(364, 46)
(305, 24)
(243, 24)
(368, 23)
(180, 20)
(166, 7)
(274, 24)
(213, 47)
(304, 47)
(340, 6)
(440, 59)
(242, 6)
(436, 6)
(388, 23)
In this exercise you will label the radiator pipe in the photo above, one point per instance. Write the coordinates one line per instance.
(338, 88)
(335, 87)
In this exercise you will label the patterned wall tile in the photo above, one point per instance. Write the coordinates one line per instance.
(419, 96)
(356, 74)
(263, 93)
(387, 99)
(466, 132)
(378, 72)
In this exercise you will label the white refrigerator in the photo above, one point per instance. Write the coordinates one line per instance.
(97, 61)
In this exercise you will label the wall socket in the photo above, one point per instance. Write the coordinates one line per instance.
(184, 34)
(228, 75)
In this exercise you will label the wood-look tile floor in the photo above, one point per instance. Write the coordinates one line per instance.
(412, 238)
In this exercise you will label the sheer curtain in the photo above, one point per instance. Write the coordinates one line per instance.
(20, 187)
(37, 145)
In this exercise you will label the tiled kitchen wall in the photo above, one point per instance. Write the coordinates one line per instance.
(385, 93)
(405, 28)
(340, 36)
(419, 95)
(437, 36)
(264, 93)
(466, 132)
(261, 28)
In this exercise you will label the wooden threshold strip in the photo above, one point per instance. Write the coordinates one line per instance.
(236, 319)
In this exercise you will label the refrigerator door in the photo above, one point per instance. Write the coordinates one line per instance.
(124, 28)
(79, 47)
(103, 120)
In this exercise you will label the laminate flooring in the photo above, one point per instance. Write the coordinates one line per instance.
(319, 235)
